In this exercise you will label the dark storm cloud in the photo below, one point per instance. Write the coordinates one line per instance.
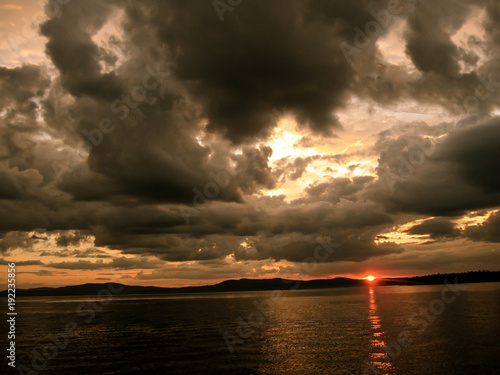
(492, 34)
(267, 56)
(335, 189)
(428, 38)
(476, 151)
(435, 228)
(220, 228)
(66, 239)
(336, 207)
(21, 85)
(60, 254)
(117, 263)
(16, 239)
(291, 170)
(80, 265)
(173, 247)
(44, 272)
(288, 168)
(152, 155)
(488, 231)
(23, 262)
(151, 151)
(457, 175)
(20, 90)
(253, 169)
(75, 54)
(272, 224)
(449, 75)
(355, 246)
(88, 253)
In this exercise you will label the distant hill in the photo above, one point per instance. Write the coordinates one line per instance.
(260, 284)
(225, 286)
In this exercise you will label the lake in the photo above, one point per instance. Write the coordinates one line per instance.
(389, 329)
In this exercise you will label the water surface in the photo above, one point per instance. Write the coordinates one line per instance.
(328, 331)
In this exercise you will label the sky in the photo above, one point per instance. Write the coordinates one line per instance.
(178, 143)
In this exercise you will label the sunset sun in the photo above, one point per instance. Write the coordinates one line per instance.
(370, 278)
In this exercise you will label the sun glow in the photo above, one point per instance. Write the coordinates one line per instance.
(370, 278)
(284, 139)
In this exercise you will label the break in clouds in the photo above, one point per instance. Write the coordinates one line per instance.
(206, 140)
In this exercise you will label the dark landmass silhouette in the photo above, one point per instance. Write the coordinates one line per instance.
(262, 284)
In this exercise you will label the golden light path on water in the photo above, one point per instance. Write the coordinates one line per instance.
(378, 357)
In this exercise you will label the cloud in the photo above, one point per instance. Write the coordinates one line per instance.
(476, 151)
(117, 263)
(80, 265)
(66, 239)
(428, 38)
(436, 228)
(14, 240)
(22, 262)
(458, 175)
(60, 254)
(87, 253)
(45, 273)
(268, 57)
(488, 231)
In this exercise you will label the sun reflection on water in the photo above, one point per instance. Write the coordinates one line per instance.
(378, 357)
